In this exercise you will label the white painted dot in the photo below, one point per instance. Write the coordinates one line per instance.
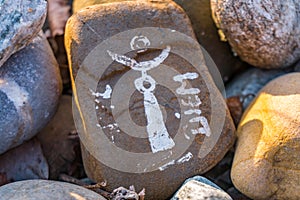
(177, 115)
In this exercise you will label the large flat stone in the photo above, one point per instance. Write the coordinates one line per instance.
(21, 21)
(86, 31)
(30, 86)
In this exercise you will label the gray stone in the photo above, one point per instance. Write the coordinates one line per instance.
(30, 86)
(200, 188)
(46, 190)
(250, 82)
(56, 135)
(24, 162)
(21, 21)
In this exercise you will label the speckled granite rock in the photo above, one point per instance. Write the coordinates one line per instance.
(21, 21)
(263, 33)
(267, 161)
(85, 32)
(24, 162)
(30, 86)
(46, 190)
(200, 188)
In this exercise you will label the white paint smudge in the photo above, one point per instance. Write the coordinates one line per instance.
(113, 139)
(185, 158)
(181, 160)
(177, 115)
(158, 135)
(165, 166)
(112, 106)
(105, 95)
(203, 121)
(193, 111)
(157, 132)
(181, 78)
(190, 103)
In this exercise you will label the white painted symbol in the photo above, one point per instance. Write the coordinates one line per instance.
(157, 132)
(182, 90)
(139, 42)
(105, 95)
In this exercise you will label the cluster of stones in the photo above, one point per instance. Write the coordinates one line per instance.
(30, 87)
(264, 34)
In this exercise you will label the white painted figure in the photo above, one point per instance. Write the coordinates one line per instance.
(159, 137)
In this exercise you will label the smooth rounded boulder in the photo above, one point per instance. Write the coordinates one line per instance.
(30, 87)
(46, 190)
(267, 161)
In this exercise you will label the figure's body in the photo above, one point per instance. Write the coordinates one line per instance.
(158, 135)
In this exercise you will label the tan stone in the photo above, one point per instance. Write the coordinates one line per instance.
(267, 160)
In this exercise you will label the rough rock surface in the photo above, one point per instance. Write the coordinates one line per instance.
(24, 162)
(21, 21)
(200, 188)
(86, 30)
(267, 161)
(46, 190)
(263, 33)
(30, 86)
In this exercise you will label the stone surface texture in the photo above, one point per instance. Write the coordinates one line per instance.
(46, 190)
(58, 135)
(89, 27)
(263, 33)
(21, 21)
(267, 161)
(24, 162)
(30, 86)
(200, 188)
(199, 12)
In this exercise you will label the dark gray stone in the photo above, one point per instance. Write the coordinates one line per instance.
(24, 162)
(21, 21)
(200, 188)
(30, 86)
(247, 84)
